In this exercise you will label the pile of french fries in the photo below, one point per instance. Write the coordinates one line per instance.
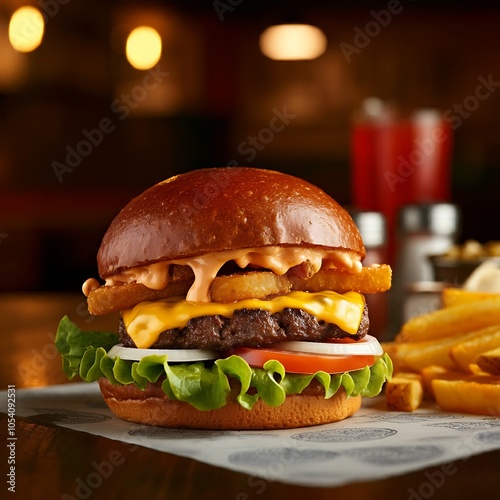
(451, 355)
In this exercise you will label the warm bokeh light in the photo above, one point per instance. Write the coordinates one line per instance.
(143, 47)
(26, 29)
(292, 42)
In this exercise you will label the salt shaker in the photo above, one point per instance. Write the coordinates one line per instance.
(423, 230)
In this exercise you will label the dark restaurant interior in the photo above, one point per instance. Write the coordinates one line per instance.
(83, 131)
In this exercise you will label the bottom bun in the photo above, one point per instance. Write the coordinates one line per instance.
(153, 407)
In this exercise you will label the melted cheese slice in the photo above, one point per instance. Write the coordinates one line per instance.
(147, 320)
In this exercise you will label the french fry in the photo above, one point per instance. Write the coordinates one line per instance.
(410, 375)
(490, 361)
(447, 322)
(457, 296)
(418, 355)
(477, 370)
(480, 395)
(399, 353)
(404, 392)
(453, 353)
(434, 372)
(415, 356)
(465, 353)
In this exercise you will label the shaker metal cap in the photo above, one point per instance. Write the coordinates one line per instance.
(372, 227)
(435, 218)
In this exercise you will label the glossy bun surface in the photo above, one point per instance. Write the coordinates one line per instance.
(212, 210)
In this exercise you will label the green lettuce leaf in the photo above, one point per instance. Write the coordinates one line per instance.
(206, 386)
(73, 342)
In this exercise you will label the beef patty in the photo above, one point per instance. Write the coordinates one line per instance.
(249, 328)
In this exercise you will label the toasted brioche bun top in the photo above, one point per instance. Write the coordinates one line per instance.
(218, 209)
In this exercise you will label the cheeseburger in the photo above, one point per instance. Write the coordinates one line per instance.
(240, 293)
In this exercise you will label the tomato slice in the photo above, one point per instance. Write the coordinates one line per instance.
(302, 362)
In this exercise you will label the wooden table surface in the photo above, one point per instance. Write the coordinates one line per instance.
(54, 462)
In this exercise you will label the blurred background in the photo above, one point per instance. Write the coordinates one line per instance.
(93, 112)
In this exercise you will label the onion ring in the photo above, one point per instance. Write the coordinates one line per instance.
(243, 285)
(108, 299)
(249, 285)
(373, 279)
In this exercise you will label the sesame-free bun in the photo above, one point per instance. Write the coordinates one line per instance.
(153, 407)
(213, 210)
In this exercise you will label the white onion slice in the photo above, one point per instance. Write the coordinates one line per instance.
(367, 346)
(174, 355)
